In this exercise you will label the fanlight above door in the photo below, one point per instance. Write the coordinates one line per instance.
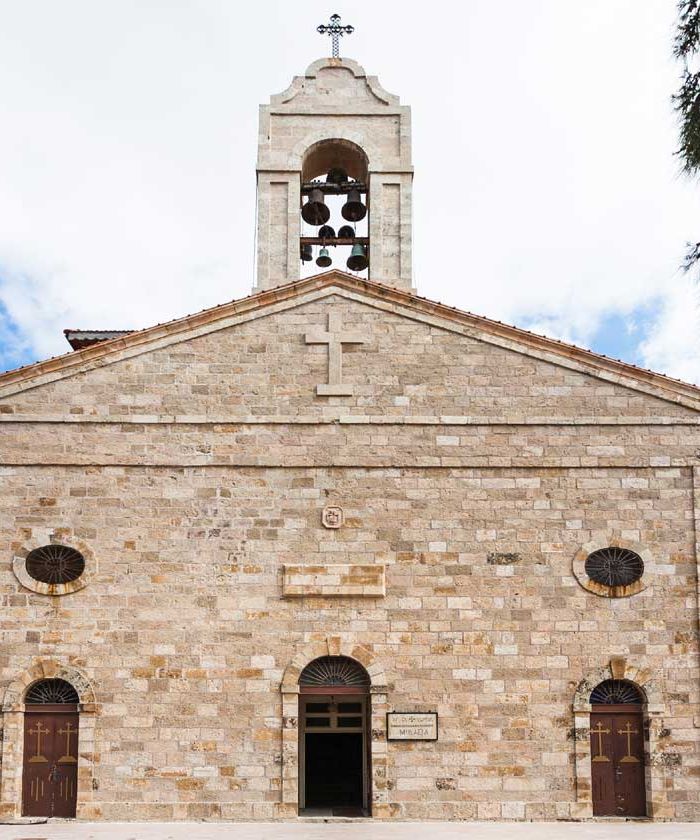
(52, 691)
(334, 671)
(613, 692)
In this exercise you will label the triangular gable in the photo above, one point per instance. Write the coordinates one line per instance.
(373, 294)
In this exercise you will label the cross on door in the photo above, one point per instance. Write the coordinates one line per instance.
(629, 732)
(334, 337)
(599, 731)
(67, 758)
(39, 731)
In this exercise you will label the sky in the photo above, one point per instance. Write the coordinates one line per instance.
(546, 190)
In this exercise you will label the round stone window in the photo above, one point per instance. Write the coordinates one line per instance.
(54, 568)
(614, 566)
(614, 569)
(55, 564)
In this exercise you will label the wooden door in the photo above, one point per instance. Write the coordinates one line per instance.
(50, 777)
(617, 761)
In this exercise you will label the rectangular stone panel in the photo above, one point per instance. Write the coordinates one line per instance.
(279, 223)
(336, 579)
(391, 230)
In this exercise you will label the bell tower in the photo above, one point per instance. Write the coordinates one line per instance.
(334, 179)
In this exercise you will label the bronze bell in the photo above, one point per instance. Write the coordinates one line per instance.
(357, 261)
(323, 260)
(353, 210)
(307, 253)
(346, 232)
(336, 175)
(326, 232)
(315, 212)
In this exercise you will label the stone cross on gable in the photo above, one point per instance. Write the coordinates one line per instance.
(334, 337)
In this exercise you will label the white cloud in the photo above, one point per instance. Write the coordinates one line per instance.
(546, 189)
(673, 344)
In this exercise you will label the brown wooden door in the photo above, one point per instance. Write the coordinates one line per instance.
(50, 778)
(617, 762)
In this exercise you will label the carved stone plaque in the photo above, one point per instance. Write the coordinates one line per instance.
(412, 726)
(332, 516)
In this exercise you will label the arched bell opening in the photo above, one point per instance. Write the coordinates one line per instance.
(325, 155)
(334, 742)
(617, 742)
(51, 732)
(334, 209)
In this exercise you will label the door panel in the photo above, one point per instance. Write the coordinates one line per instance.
(50, 777)
(617, 764)
(629, 767)
(602, 765)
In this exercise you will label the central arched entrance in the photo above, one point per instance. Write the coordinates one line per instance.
(334, 707)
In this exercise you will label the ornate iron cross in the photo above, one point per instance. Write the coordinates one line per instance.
(335, 30)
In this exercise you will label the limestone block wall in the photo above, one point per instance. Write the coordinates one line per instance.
(184, 633)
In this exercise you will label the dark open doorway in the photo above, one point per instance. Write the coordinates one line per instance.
(334, 771)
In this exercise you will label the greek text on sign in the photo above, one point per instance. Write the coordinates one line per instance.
(412, 726)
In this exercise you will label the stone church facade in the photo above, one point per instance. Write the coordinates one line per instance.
(334, 501)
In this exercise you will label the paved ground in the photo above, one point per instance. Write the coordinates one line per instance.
(356, 831)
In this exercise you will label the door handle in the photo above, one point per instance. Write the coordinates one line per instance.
(618, 772)
(53, 774)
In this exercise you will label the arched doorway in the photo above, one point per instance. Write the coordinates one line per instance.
(334, 707)
(617, 750)
(50, 771)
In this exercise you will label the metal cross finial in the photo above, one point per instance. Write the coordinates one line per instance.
(335, 30)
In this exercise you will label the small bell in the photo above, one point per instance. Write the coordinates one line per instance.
(336, 176)
(323, 260)
(315, 212)
(326, 232)
(353, 210)
(357, 261)
(346, 232)
(307, 253)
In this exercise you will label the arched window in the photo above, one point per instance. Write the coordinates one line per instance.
(325, 155)
(334, 671)
(335, 179)
(615, 692)
(51, 691)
